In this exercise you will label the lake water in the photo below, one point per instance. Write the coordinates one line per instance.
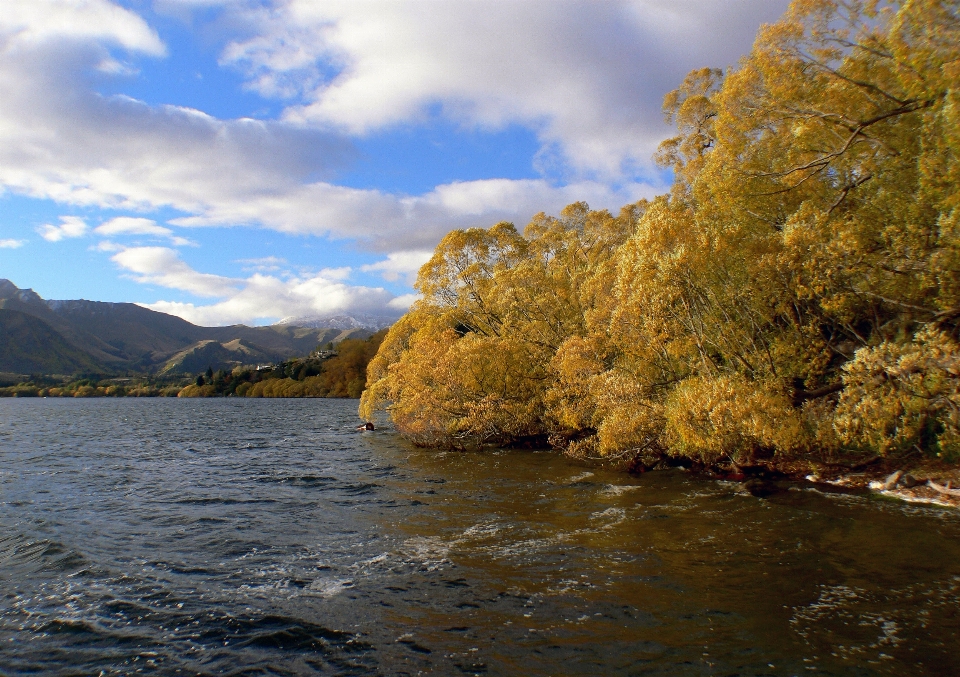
(262, 537)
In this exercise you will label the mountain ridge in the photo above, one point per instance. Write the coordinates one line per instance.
(126, 337)
(340, 321)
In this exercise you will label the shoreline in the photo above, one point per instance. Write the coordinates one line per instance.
(922, 483)
(930, 482)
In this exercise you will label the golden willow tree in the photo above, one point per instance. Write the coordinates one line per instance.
(797, 293)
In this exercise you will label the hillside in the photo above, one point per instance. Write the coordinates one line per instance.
(215, 355)
(125, 337)
(32, 346)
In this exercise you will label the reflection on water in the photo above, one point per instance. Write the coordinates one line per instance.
(267, 537)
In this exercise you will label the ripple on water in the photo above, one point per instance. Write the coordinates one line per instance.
(178, 537)
(21, 554)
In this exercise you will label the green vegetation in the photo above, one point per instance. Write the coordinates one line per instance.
(342, 375)
(94, 386)
(796, 295)
(30, 344)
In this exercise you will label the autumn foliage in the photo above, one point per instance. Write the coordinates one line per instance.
(797, 293)
(342, 375)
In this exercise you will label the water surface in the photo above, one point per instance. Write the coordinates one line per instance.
(235, 536)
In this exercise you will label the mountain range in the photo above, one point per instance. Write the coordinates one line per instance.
(39, 336)
(355, 321)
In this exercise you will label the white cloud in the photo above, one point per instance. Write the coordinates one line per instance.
(74, 226)
(61, 140)
(403, 302)
(258, 297)
(70, 227)
(24, 23)
(108, 246)
(162, 266)
(340, 273)
(589, 77)
(400, 265)
(129, 225)
(263, 264)
(388, 222)
(12, 244)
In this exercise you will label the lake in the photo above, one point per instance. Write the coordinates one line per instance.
(267, 537)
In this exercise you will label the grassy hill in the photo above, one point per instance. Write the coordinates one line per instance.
(32, 346)
(215, 355)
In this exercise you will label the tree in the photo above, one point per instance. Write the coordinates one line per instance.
(797, 292)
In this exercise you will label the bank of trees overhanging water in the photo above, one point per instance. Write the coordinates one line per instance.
(797, 292)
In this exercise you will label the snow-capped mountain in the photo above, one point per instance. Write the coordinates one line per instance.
(359, 321)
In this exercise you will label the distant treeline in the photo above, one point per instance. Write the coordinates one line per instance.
(341, 375)
(795, 296)
(91, 387)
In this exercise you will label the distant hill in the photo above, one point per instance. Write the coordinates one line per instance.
(285, 340)
(357, 321)
(94, 336)
(216, 355)
(32, 346)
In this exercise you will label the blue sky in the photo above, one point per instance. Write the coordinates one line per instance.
(248, 160)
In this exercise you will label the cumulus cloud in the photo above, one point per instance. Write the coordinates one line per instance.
(12, 244)
(162, 266)
(258, 297)
(130, 225)
(588, 76)
(266, 298)
(70, 227)
(390, 222)
(108, 246)
(403, 302)
(25, 23)
(61, 140)
(339, 273)
(402, 265)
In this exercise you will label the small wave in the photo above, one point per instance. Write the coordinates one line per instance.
(325, 587)
(20, 553)
(359, 489)
(371, 562)
(526, 549)
(285, 634)
(619, 489)
(183, 569)
(298, 480)
(219, 500)
(579, 478)
(484, 530)
(90, 633)
(615, 513)
(429, 552)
